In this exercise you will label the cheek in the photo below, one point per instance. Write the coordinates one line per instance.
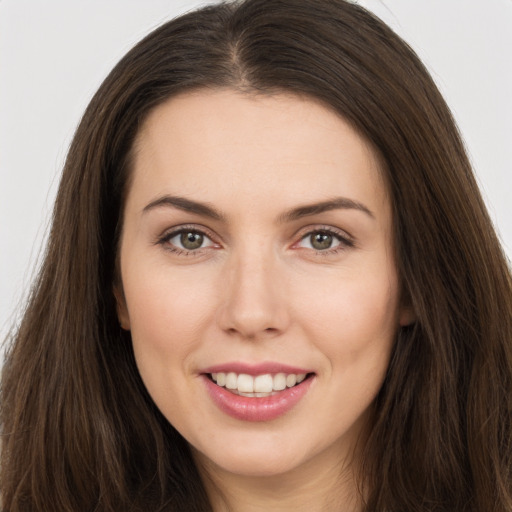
(166, 310)
(357, 314)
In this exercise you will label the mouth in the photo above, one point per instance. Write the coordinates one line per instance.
(256, 396)
(257, 386)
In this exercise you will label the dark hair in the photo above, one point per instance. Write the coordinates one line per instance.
(79, 431)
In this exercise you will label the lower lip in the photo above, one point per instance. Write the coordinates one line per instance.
(257, 408)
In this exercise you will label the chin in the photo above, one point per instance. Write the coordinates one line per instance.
(251, 461)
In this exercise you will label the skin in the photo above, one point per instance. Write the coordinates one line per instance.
(258, 289)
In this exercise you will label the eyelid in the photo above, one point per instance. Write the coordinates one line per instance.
(346, 239)
(170, 233)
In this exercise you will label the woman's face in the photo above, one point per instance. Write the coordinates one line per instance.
(256, 248)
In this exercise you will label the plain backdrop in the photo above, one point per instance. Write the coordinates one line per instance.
(55, 53)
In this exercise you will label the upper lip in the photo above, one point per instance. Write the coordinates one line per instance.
(255, 368)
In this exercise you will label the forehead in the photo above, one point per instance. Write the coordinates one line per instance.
(213, 141)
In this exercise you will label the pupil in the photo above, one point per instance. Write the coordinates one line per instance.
(191, 240)
(321, 241)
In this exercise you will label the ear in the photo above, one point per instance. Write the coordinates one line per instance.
(122, 309)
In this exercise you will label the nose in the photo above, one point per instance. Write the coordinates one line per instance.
(253, 304)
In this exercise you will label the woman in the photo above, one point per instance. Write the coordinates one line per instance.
(271, 282)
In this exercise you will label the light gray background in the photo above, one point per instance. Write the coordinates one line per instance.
(55, 53)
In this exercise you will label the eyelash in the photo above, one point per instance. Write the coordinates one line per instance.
(345, 241)
(167, 237)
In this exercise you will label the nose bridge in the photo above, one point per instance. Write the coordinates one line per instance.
(253, 302)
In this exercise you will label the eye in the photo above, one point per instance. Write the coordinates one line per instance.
(324, 241)
(186, 240)
(190, 240)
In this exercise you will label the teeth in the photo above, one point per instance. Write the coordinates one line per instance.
(279, 382)
(245, 383)
(291, 380)
(261, 385)
(231, 380)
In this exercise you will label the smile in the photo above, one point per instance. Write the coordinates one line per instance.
(257, 386)
(257, 394)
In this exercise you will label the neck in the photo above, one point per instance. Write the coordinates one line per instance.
(315, 487)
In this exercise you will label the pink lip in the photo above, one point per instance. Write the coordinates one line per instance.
(257, 408)
(254, 369)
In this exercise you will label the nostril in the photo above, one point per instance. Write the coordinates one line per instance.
(268, 331)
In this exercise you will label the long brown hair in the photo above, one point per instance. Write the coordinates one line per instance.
(79, 431)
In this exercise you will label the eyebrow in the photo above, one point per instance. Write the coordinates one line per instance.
(336, 203)
(186, 205)
(205, 210)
